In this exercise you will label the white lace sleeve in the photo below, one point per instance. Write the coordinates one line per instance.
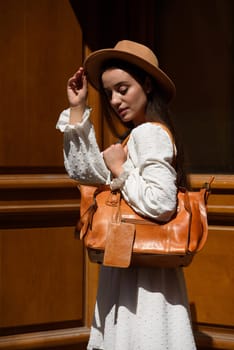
(82, 157)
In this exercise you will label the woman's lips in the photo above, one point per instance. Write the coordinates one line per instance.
(122, 112)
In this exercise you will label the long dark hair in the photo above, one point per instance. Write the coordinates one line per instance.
(157, 111)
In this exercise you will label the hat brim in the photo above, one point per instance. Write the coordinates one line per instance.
(94, 62)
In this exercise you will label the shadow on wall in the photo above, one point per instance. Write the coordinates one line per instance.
(105, 22)
(203, 340)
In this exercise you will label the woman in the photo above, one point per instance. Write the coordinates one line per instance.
(136, 308)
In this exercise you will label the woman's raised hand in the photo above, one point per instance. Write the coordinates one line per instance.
(77, 89)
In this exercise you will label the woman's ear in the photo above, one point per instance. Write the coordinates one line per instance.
(147, 85)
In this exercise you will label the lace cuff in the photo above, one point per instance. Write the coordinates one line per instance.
(64, 118)
(118, 182)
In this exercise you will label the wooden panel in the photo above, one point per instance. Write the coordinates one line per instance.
(58, 339)
(41, 48)
(42, 294)
(42, 277)
(210, 279)
(45, 286)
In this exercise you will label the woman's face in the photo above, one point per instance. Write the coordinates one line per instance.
(126, 96)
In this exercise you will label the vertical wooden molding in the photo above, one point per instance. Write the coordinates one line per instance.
(94, 103)
(91, 283)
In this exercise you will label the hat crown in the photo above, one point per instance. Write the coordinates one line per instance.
(138, 50)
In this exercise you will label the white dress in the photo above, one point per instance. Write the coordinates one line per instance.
(136, 308)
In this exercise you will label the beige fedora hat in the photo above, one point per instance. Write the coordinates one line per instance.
(131, 52)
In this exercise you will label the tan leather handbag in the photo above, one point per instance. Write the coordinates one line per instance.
(115, 235)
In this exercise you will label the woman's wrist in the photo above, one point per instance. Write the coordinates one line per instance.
(76, 114)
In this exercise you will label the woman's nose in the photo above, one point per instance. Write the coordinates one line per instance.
(115, 99)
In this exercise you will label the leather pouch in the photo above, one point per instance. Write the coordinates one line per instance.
(119, 244)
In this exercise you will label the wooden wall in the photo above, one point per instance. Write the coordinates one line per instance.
(47, 285)
(42, 275)
(41, 45)
(210, 277)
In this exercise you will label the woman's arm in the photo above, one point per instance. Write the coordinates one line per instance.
(82, 158)
(148, 181)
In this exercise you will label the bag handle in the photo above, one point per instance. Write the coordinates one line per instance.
(207, 187)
